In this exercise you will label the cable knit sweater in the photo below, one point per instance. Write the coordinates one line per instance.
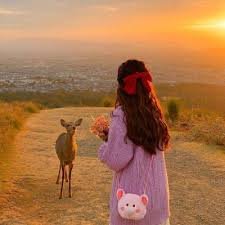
(130, 162)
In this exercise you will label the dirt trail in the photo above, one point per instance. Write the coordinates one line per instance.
(29, 195)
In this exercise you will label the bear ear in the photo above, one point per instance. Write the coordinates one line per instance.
(144, 199)
(120, 193)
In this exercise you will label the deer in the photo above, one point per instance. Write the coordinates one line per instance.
(66, 149)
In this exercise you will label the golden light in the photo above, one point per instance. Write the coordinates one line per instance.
(212, 24)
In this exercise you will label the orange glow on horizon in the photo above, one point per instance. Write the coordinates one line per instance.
(217, 25)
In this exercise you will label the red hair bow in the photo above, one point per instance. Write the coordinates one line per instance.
(130, 82)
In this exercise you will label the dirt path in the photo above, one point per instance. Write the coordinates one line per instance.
(29, 195)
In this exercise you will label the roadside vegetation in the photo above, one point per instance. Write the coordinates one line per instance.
(196, 124)
(61, 98)
(198, 110)
(204, 96)
(12, 117)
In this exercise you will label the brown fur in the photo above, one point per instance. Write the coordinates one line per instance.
(66, 149)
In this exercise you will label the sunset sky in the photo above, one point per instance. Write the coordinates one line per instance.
(109, 21)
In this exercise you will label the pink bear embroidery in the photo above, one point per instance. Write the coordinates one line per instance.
(131, 206)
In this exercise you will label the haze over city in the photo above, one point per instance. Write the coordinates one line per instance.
(180, 41)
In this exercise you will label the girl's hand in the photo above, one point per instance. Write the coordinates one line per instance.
(104, 135)
(100, 127)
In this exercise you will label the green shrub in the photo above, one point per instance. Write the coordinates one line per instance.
(107, 102)
(172, 110)
(30, 107)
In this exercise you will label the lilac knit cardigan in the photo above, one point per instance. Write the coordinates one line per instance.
(130, 162)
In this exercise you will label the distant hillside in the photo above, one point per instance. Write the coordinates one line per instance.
(61, 98)
(205, 96)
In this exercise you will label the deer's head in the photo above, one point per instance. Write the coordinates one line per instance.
(71, 126)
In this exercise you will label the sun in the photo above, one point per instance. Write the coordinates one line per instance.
(211, 24)
(220, 24)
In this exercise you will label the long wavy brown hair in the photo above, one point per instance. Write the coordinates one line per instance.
(146, 126)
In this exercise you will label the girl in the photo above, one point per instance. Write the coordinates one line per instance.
(134, 147)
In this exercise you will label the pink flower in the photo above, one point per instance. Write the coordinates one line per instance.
(100, 126)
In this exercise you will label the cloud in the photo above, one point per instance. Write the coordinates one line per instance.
(106, 8)
(9, 12)
(116, 7)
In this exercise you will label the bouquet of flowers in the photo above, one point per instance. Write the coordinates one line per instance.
(100, 126)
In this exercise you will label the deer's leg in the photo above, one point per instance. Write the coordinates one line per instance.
(57, 181)
(70, 173)
(66, 177)
(63, 172)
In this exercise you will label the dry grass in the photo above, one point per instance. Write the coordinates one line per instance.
(12, 117)
(211, 131)
(33, 196)
(30, 196)
(196, 177)
(201, 125)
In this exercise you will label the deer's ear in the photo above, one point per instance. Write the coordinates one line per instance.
(63, 122)
(78, 122)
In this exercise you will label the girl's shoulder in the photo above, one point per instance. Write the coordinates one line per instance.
(118, 111)
(117, 116)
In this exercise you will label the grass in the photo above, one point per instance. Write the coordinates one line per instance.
(208, 97)
(202, 106)
(62, 98)
(204, 96)
(201, 126)
(12, 117)
(33, 198)
(195, 170)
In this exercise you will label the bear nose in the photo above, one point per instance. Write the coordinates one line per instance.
(130, 211)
